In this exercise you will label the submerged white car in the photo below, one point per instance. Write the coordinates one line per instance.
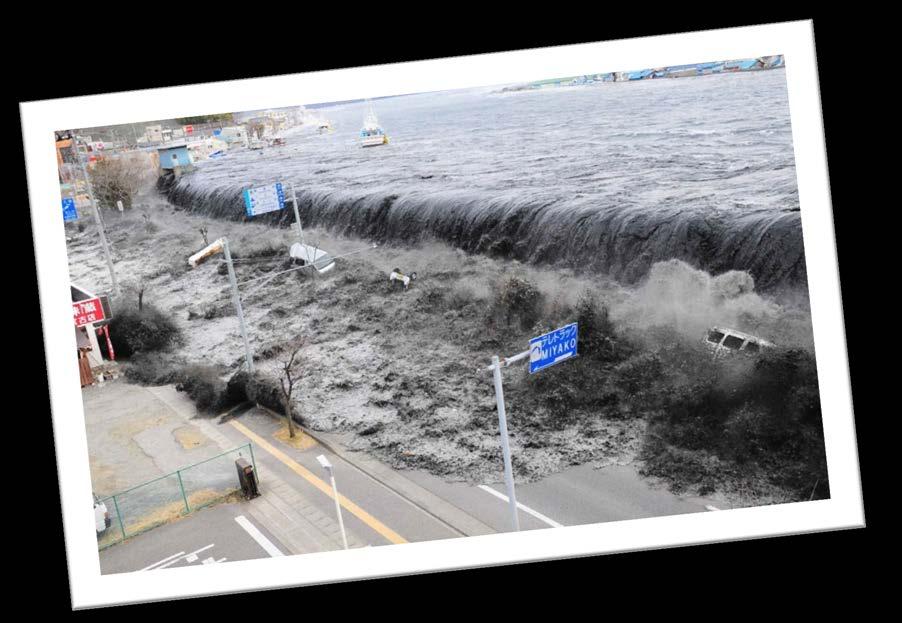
(307, 255)
(726, 341)
(102, 519)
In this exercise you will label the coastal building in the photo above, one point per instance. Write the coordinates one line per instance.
(747, 64)
(175, 158)
(154, 133)
(234, 136)
(92, 315)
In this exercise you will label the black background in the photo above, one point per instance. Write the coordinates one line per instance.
(753, 577)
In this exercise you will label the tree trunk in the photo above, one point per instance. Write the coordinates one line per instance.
(288, 415)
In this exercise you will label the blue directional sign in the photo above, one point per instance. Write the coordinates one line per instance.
(264, 199)
(551, 348)
(69, 211)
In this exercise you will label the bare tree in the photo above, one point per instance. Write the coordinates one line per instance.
(137, 287)
(121, 178)
(291, 372)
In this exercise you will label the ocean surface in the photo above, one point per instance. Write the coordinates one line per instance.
(608, 178)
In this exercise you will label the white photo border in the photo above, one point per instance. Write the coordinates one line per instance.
(795, 40)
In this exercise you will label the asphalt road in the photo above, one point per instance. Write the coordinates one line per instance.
(385, 516)
(579, 495)
(212, 535)
(576, 496)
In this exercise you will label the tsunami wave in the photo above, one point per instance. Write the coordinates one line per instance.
(620, 241)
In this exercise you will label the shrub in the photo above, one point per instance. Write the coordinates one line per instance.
(764, 411)
(205, 387)
(597, 337)
(518, 300)
(260, 389)
(133, 331)
(151, 369)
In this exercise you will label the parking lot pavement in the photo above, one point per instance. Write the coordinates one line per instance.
(137, 434)
(214, 535)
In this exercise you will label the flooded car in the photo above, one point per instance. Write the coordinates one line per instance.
(722, 341)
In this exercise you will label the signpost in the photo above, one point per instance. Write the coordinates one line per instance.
(263, 199)
(551, 348)
(544, 351)
(87, 311)
(69, 211)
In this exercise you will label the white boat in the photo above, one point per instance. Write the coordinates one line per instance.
(325, 126)
(372, 134)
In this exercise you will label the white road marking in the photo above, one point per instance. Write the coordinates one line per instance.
(525, 509)
(148, 568)
(194, 553)
(261, 540)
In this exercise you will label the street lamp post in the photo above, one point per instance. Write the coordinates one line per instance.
(222, 246)
(328, 467)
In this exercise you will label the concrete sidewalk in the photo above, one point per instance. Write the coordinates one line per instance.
(286, 512)
(137, 434)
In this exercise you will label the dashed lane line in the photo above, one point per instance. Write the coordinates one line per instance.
(522, 507)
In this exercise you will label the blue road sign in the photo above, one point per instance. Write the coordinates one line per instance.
(69, 211)
(264, 199)
(551, 348)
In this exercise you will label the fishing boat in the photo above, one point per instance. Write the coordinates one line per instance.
(372, 134)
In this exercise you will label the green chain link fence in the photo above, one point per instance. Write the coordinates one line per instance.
(168, 497)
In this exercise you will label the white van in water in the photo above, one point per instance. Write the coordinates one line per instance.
(727, 341)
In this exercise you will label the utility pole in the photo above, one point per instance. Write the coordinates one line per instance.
(236, 298)
(222, 245)
(297, 215)
(97, 217)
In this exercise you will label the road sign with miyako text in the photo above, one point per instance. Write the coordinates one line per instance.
(554, 347)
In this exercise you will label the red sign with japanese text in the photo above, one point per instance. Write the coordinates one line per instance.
(88, 311)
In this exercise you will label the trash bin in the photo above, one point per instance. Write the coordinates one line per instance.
(247, 478)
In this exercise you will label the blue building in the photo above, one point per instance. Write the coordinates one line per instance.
(173, 156)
